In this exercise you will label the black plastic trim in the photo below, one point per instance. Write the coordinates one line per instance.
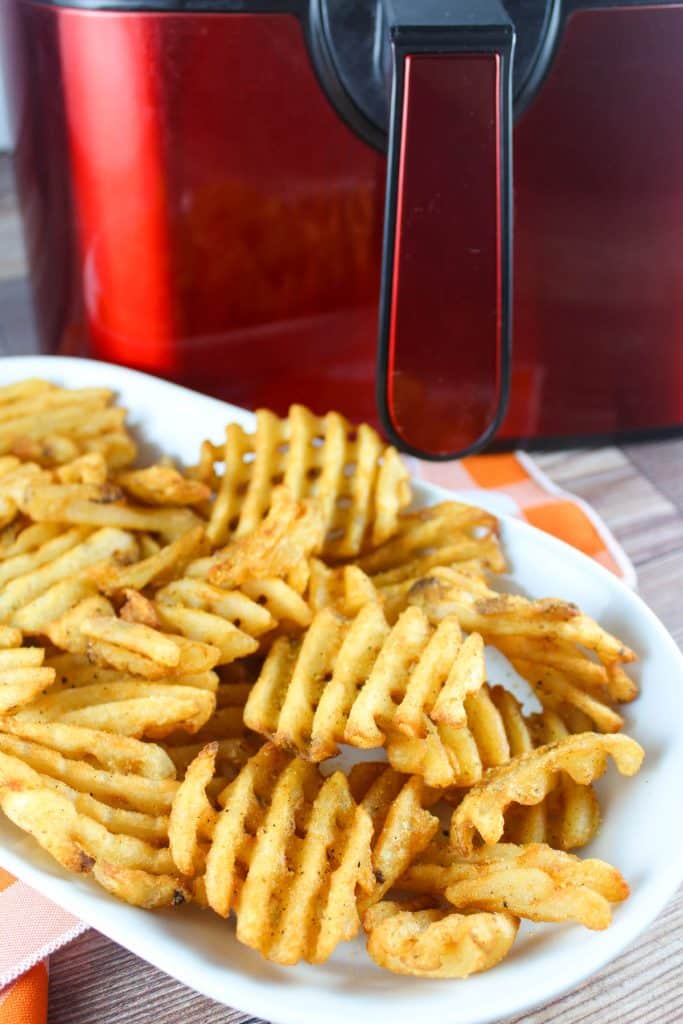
(472, 38)
(558, 442)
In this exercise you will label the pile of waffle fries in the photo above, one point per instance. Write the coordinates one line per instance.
(183, 648)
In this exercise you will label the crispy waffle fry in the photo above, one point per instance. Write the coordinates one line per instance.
(163, 485)
(555, 691)
(127, 706)
(345, 588)
(537, 883)
(402, 825)
(291, 532)
(360, 484)
(478, 608)
(226, 728)
(22, 673)
(22, 591)
(571, 811)
(86, 469)
(528, 778)
(360, 682)
(287, 851)
(443, 535)
(53, 425)
(279, 597)
(229, 620)
(88, 814)
(433, 943)
(164, 562)
(85, 505)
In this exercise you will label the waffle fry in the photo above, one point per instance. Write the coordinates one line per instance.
(571, 811)
(291, 532)
(127, 706)
(162, 485)
(528, 778)
(431, 943)
(402, 825)
(66, 787)
(442, 535)
(360, 682)
(287, 851)
(226, 728)
(157, 566)
(52, 425)
(556, 691)
(229, 620)
(345, 588)
(360, 484)
(71, 503)
(24, 595)
(478, 608)
(278, 597)
(537, 883)
(22, 673)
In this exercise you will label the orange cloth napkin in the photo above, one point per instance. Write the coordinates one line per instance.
(31, 927)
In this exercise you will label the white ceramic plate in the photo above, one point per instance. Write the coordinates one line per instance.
(642, 832)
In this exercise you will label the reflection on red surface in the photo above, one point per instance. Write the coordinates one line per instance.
(445, 327)
(194, 206)
(111, 96)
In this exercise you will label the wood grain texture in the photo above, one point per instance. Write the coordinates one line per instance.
(638, 490)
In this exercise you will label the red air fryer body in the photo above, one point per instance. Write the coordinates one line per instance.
(195, 206)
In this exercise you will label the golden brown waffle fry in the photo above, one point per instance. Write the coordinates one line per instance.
(159, 566)
(235, 743)
(344, 588)
(457, 755)
(15, 479)
(607, 681)
(537, 883)
(22, 673)
(478, 608)
(91, 818)
(127, 706)
(85, 505)
(281, 598)
(359, 483)
(528, 778)
(90, 626)
(286, 852)
(64, 562)
(442, 535)
(162, 485)
(86, 469)
(556, 691)
(229, 620)
(571, 811)
(360, 682)
(53, 425)
(402, 826)
(433, 943)
(291, 532)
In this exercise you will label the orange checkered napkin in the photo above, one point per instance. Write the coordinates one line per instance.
(31, 927)
(532, 496)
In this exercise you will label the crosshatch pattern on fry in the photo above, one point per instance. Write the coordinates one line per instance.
(182, 648)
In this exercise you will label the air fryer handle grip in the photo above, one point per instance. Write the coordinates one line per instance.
(444, 334)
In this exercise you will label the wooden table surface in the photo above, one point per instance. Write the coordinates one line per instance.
(638, 490)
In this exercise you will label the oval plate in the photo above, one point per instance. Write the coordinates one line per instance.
(642, 833)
